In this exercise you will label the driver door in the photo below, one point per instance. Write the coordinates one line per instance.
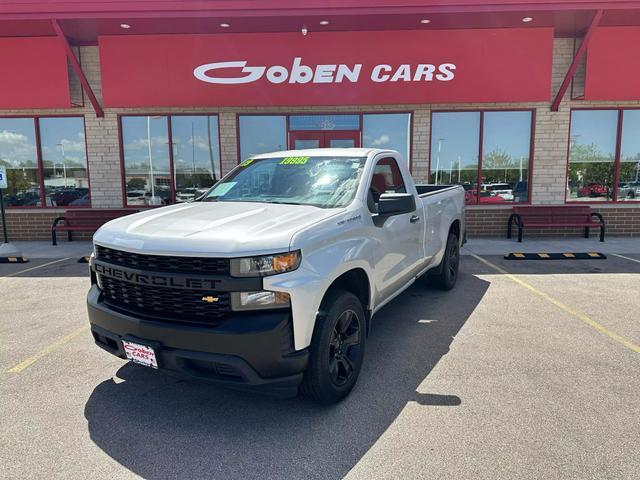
(398, 238)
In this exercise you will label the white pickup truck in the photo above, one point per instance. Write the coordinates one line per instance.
(271, 278)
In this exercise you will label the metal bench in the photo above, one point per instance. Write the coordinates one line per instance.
(569, 216)
(85, 220)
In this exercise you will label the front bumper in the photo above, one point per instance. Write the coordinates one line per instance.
(248, 351)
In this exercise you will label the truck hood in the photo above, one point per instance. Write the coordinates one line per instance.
(211, 228)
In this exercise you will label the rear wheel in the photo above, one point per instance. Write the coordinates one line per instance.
(446, 275)
(337, 349)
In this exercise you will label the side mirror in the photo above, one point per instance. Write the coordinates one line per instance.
(396, 204)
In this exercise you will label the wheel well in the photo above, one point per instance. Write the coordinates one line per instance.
(455, 228)
(356, 282)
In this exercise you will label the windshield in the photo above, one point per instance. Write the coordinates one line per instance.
(326, 182)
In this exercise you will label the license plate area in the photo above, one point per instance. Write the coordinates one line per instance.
(140, 353)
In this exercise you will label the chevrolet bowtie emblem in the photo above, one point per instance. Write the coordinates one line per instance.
(210, 299)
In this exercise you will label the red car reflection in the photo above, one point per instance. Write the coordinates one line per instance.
(593, 190)
(486, 196)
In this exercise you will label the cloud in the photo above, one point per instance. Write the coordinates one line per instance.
(16, 147)
(381, 140)
(141, 143)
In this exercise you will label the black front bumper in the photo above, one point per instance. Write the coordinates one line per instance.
(249, 350)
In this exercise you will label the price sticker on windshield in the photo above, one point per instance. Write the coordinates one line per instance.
(294, 160)
(247, 162)
(3, 177)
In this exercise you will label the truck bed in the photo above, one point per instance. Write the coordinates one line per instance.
(426, 189)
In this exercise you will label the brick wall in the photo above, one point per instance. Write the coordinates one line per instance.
(492, 221)
(549, 162)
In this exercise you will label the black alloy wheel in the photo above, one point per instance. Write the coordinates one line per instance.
(344, 347)
(337, 348)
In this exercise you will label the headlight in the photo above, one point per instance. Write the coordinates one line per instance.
(265, 265)
(259, 300)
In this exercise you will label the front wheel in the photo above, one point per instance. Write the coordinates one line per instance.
(446, 276)
(337, 348)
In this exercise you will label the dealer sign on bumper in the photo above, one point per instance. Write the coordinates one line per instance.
(141, 354)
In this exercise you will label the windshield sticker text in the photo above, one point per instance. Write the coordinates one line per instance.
(294, 161)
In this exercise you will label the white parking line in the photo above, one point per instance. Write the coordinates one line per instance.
(626, 258)
(36, 267)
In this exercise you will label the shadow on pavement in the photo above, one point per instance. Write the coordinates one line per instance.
(161, 427)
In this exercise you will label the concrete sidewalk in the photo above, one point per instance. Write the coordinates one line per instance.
(44, 249)
(500, 246)
(479, 246)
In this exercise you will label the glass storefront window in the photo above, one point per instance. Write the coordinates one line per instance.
(18, 154)
(145, 146)
(262, 134)
(502, 175)
(592, 150)
(455, 150)
(506, 146)
(324, 122)
(64, 162)
(629, 176)
(387, 130)
(196, 154)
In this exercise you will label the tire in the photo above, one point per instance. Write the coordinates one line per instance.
(446, 275)
(337, 349)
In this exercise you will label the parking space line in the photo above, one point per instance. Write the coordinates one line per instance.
(55, 345)
(574, 313)
(626, 258)
(36, 267)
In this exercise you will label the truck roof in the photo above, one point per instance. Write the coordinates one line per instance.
(324, 152)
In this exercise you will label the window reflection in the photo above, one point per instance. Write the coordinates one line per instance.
(18, 155)
(629, 177)
(592, 144)
(506, 147)
(64, 161)
(146, 160)
(387, 130)
(262, 134)
(454, 150)
(196, 157)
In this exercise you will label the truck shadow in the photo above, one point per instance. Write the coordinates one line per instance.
(161, 427)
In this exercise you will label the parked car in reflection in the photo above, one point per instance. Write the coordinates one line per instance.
(593, 190)
(189, 194)
(629, 190)
(143, 197)
(486, 196)
(66, 196)
(501, 189)
(521, 191)
(23, 199)
(83, 201)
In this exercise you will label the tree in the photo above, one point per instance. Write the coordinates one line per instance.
(136, 184)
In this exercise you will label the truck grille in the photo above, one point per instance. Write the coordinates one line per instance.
(163, 303)
(164, 263)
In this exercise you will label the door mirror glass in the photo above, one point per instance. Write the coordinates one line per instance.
(396, 203)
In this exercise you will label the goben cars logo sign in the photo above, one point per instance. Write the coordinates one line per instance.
(326, 68)
(325, 73)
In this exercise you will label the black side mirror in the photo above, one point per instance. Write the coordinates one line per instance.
(396, 203)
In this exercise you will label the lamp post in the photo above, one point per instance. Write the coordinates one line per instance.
(64, 165)
(440, 140)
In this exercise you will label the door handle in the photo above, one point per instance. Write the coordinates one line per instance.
(414, 218)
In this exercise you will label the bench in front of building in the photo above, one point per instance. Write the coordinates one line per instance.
(562, 216)
(85, 220)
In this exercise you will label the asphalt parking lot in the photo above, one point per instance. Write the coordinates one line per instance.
(527, 369)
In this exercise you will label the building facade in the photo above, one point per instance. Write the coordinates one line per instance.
(530, 104)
